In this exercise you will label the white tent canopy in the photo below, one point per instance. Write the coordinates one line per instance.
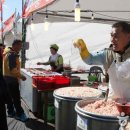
(63, 30)
(102, 9)
(96, 36)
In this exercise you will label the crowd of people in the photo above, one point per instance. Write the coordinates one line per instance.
(10, 75)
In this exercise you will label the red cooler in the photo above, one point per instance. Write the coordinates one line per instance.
(47, 83)
(36, 79)
(61, 81)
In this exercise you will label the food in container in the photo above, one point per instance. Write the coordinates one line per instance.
(65, 100)
(101, 107)
(78, 92)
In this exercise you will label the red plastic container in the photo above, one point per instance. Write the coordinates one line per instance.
(50, 82)
(47, 83)
(61, 81)
(35, 79)
(44, 83)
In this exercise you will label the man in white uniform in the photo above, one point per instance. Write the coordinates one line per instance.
(112, 59)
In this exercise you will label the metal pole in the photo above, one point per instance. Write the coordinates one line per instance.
(2, 36)
(23, 51)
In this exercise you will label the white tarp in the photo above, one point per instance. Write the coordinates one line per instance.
(104, 9)
(96, 36)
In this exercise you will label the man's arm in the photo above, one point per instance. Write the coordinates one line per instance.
(90, 58)
(98, 58)
(43, 63)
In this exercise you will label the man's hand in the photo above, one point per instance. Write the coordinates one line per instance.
(39, 63)
(80, 44)
(23, 78)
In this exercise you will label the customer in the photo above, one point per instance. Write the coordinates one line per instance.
(3, 101)
(11, 72)
(55, 60)
(111, 58)
(2, 46)
(3, 95)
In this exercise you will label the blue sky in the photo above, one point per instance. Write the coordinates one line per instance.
(9, 8)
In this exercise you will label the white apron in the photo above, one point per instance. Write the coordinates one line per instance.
(120, 83)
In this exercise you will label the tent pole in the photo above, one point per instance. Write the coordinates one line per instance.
(2, 36)
(23, 51)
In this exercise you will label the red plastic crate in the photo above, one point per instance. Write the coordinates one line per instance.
(35, 79)
(46, 83)
(61, 81)
(50, 82)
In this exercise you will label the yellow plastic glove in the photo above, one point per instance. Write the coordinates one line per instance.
(80, 44)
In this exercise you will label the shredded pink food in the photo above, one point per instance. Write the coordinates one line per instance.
(101, 107)
(78, 92)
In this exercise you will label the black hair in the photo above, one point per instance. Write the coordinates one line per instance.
(1, 44)
(111, 45)
(54, 48)
(124, 25)
(15, 42)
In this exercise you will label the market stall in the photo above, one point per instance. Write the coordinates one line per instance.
(40, 81)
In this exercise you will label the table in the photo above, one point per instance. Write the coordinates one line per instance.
(45, 103)
(31, 94)
(45, 85)
(28, 92)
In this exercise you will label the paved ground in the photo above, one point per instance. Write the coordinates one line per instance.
(32, 124)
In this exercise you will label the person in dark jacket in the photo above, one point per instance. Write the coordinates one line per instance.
(3, 92)
(12, 75)
(1, 57)
(3, 95)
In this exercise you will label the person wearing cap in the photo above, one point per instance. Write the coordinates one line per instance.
(55, 60)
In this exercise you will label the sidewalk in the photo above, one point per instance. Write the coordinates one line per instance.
(32, 124)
